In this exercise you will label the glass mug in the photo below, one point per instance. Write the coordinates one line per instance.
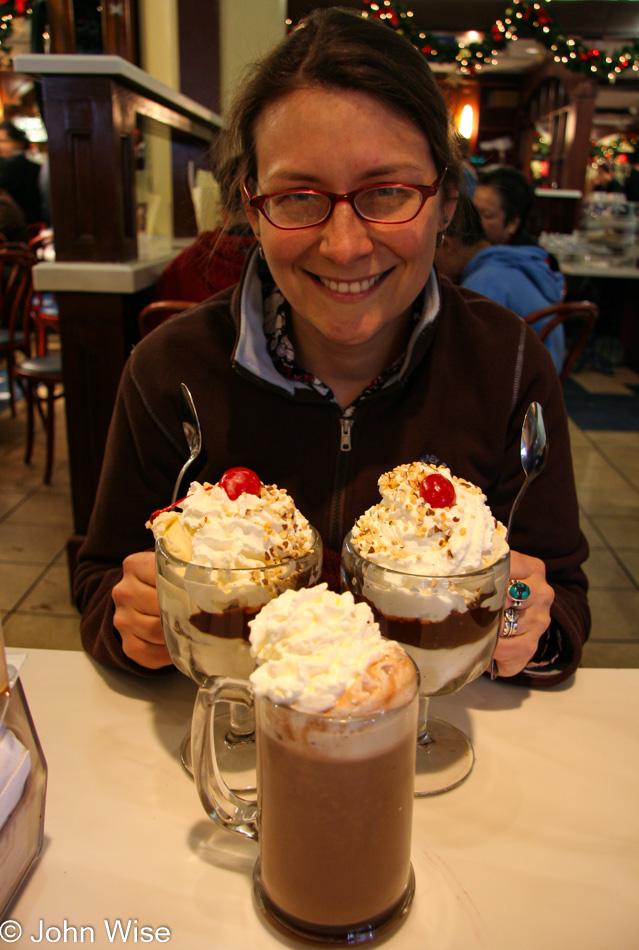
(333, 813)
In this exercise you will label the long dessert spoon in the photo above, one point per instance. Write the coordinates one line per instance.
(192, 431)
(533, 450)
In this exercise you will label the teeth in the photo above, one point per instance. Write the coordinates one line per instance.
(349, 287)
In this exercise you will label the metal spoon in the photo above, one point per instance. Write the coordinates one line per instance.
(533, 450)
(192, 431)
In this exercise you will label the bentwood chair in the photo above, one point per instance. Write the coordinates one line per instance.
(158, 311)
(581, 314)
(15, 302)
(40, 377)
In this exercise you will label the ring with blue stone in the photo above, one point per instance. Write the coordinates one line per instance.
(519, 592)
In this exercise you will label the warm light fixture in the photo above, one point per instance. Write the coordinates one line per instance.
(465, 126)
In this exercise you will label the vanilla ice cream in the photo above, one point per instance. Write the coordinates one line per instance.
(219, 559)
(321, 652)
(427, 568)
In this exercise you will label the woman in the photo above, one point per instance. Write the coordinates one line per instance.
(504, 198)
(517, 277)
(340, 354)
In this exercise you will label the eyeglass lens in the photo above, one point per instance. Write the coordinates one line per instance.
(302, 209)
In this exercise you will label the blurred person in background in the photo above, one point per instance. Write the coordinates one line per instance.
(504, 198)
(19, 176)
(519, 278)
(605, 180)
(214, 261)
(631, 186)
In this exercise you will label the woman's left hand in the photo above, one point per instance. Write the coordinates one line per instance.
(513, 653)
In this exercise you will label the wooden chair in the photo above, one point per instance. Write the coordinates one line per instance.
(40, 377)
(33, 229)
(583, 312)
(158, 311)
(16, 290)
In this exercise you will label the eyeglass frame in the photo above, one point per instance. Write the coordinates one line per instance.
(426, 192)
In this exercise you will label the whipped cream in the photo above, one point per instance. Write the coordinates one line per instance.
(320, 652)
(405, 533)
(251, 531)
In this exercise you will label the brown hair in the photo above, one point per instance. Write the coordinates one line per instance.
(339, 49)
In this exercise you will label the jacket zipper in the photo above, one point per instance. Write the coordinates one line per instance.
(337, 533)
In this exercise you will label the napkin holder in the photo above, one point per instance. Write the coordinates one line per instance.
(22, 835)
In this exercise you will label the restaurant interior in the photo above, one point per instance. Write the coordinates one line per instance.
(527, 110)
(121, 103)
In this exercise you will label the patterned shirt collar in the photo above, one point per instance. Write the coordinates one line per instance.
(281, 350)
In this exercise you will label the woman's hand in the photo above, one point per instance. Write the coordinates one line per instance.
(513, 653)
(137, 613)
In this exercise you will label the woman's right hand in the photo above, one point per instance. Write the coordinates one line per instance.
(137, 613)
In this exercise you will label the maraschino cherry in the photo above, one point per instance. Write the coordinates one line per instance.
(438, 491)
(237, 480)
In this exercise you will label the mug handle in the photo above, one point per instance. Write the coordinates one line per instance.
(220, 803)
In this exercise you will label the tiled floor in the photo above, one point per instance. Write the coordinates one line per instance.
(36, 520)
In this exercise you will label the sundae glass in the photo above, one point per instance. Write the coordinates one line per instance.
(221, 553)
(433, 564)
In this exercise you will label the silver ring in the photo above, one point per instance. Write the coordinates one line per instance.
(519, 592)
(511, 619)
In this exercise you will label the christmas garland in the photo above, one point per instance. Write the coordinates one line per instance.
(8, 10)
(530, 18)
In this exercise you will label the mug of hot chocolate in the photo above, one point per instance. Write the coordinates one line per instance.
(432, 562)
(336, 714)
(221, 553)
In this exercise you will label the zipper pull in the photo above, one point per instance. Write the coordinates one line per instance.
(345, 425)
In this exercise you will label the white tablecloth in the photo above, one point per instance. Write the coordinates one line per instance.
(537, 850)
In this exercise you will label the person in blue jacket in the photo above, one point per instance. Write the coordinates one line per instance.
(517, 276)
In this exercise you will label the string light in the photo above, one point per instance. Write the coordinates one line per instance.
(541, 23)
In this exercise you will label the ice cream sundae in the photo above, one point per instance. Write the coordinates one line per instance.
(433, 562)
(222, 552)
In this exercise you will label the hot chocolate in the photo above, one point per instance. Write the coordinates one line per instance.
(336, 718)
(351, 871)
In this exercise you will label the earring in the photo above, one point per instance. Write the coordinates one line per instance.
(440, 238)
(260, 251)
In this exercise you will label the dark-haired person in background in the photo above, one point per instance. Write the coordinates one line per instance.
(19, 176)
(631, 186)
(504, 198)
(518, 277)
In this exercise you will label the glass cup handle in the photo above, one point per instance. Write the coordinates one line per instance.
(220, 803)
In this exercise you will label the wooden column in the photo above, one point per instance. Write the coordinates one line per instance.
(91, 108)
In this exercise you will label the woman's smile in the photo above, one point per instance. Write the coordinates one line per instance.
(350, 288)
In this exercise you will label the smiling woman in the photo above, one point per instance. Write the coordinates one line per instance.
(341, 354)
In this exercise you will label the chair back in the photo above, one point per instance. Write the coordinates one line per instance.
(157, 312)
(16, 291)
(582, 311)
(38, 245)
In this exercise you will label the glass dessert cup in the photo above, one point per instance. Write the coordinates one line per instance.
(450, 649)
(205, 618)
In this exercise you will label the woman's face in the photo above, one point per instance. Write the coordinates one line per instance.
(493, 217)
(348, 281)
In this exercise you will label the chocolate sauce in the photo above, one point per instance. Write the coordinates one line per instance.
(232, 624)
(455, 630)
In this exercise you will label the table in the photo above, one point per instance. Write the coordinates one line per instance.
(537, 850)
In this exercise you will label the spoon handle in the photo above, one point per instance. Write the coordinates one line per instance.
(178, 480)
